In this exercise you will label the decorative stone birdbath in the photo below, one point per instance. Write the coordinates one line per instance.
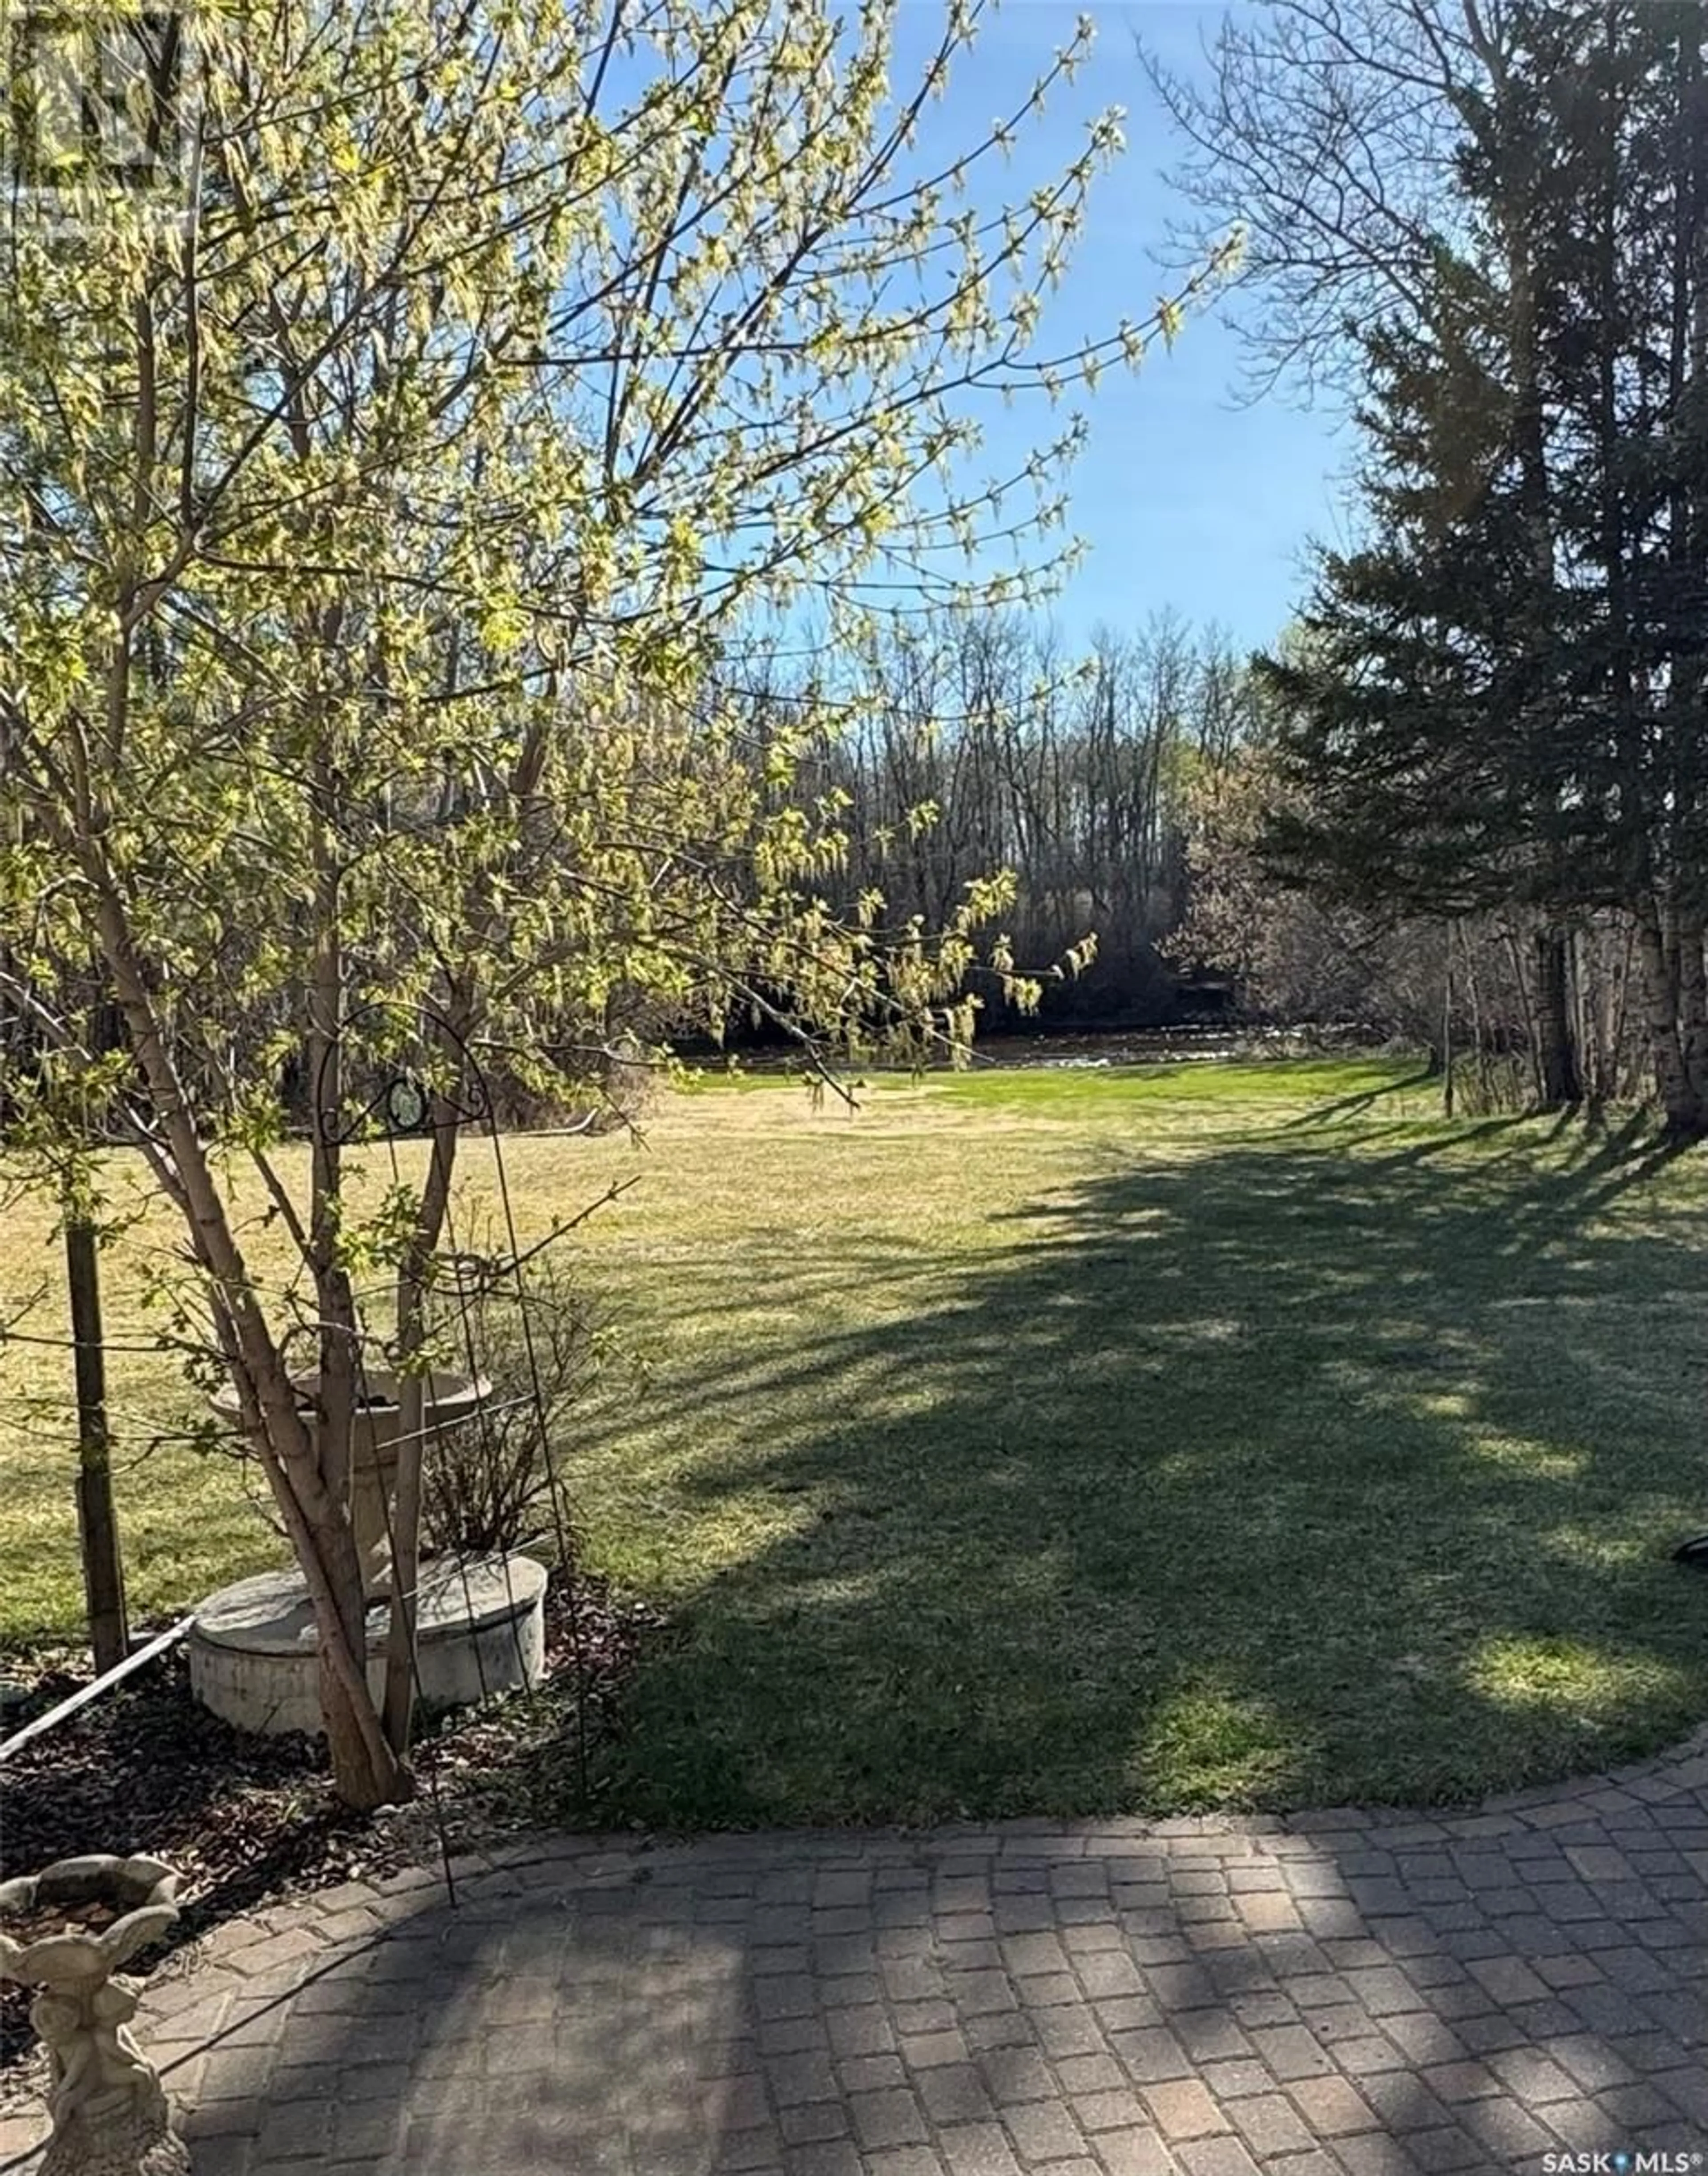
(376, 1425)
(66, 1930)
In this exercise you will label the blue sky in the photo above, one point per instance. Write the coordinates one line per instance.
(1186, 496)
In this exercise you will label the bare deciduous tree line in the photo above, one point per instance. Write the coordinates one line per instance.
(984, 742)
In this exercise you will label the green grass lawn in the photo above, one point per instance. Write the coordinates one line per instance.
(1073, 1442)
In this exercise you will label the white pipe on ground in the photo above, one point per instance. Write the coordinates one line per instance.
(81, 1697)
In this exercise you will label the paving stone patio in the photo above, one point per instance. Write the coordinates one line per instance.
(1341, 1994)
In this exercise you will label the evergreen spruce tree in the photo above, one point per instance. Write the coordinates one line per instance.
(1502, 695)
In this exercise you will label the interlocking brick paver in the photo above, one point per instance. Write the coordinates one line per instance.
(979, 1993)
(1332, 2106)
(1371, 2153)
(1266, 1911)
(956, 2094)
(1017, 2073)
(978, 2149)
(1182, 2108)
(1152, 2055)
(1507, 1979)
(785, 1994)
(1423, 2038)
(830, 2157)
(1211, 2036)
(1264, 2007)
(1340, 2022)
(1046, 2132)
(1636, 2107)
(1482, 2036)
(1338, 1994)
(1128, 2013)
(1384, 1991)
(1270, 2125)
(931, 2051)
(1504, 2128)
(1688, 2090)
(1034, 1953)
(1139, 2151)
(1003, 2028)
(206, 2120)
(866, 2074)
(1445, 2151)
(805, 2076)
(1222, 2155)
(904, 2160)
(933, 2014)
(294, 2129)
(1590, 2063)
(1531, 2077)
(891, 2116)
(866, 2031)
(1235, 2080)
(1180, 1987)
(1069, 2030)
(1290, 2051)
(1360, 2057)
(1089, 2073)
(1111, 2111)
(815, 2120)
(1103, 1973)
(790, 2036)
(908, 1978)
(1090, 1933)
(1458, 2082)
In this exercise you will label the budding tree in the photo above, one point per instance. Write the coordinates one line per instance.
(372, 529)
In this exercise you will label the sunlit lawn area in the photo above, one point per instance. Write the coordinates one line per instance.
(1071, 1442)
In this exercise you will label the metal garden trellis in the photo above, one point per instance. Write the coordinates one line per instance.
(405, 1102)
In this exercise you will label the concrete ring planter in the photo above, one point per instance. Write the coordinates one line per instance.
(110, 2112)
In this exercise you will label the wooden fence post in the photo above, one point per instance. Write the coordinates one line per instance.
(103, 1571)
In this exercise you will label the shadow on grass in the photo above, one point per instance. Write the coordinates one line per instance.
(1359, 1105)
(1303, 1470)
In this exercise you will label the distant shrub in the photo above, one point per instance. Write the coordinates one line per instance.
(609, 1088)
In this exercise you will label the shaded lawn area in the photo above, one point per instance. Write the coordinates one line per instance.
(1146, 1441)
(1081, 1443)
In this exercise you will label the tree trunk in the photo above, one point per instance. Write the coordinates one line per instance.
(368, 1770)
(1693, 1005)
(1524, 982)
(1686, 1115)
(365, 1773)
(1557, 1076)
(1447, 1024)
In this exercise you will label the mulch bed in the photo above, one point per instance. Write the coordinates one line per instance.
(249, 1821)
